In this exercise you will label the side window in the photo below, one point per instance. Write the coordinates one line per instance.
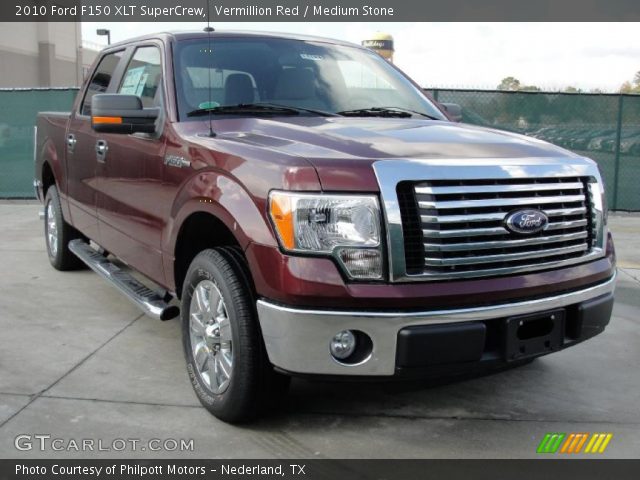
(143, 75)
(101, 79)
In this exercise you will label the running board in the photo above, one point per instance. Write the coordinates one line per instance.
(146, 299)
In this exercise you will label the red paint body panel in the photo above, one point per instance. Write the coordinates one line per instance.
(47, 150)
(317, 282)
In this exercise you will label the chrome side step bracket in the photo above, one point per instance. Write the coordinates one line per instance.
(150, 302)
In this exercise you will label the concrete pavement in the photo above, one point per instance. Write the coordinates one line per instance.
(78, 361)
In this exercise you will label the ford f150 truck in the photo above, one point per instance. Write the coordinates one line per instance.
(307, 210)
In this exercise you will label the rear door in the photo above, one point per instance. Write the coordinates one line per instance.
(131, 169)
(80, 141)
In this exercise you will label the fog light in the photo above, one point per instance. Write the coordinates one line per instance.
(343, 344)
(363, 264)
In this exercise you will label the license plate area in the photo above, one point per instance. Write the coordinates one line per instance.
(533, 335)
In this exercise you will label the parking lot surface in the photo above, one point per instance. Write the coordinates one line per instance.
(78, 361)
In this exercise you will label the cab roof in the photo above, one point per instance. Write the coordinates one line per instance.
(188, 35)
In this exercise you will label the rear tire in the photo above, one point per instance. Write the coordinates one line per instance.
(223, 347)
(58, 234)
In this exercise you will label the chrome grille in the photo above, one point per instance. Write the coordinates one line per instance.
(461, 233)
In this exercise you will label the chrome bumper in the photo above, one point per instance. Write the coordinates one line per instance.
(297, 340)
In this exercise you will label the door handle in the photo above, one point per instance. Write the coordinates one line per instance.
(101, 151)
(71, 142)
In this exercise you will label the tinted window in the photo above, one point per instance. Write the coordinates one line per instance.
(358, 75)
(296, 73)
(143, 75)
(101, 79)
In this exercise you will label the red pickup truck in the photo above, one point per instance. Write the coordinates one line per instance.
(307, 210)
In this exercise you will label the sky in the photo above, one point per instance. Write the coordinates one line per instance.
(551, 56)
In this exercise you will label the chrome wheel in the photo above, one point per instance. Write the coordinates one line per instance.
(52, 230)
(210, 335)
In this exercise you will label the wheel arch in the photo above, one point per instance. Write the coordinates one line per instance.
(51, 167)
(48, 178)
(201, 230)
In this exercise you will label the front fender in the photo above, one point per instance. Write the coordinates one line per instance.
(223, 197)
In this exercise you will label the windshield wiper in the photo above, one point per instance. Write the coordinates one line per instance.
(243, 109)
(321, 113)
(257, 108)
(408, 110)
(397, 112)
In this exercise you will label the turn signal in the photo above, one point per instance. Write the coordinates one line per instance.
(106, 119)
(282, 216)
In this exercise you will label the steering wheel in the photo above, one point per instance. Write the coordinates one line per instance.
(359, 101)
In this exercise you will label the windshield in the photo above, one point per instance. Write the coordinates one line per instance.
(310, 76)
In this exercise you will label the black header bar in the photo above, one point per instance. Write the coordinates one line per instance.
(320, 10)
(298, 469)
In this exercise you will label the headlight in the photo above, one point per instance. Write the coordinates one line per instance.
(603, 193)
(345, 226)
(599, 212)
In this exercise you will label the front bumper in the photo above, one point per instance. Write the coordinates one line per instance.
(297, 340)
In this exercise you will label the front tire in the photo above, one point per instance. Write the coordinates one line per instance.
(58, 234)
(226, 361)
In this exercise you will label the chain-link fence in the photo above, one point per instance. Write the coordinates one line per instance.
(18, 110)
(604, 127)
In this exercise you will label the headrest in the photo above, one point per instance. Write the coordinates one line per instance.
(238, 88)
(295, 84)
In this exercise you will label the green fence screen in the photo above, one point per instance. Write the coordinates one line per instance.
(18, 110)
(604, 127)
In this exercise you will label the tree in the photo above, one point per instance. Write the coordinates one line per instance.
(627, 87)
(572, 89)
(512, 84)
(509, 83)
(631, 87)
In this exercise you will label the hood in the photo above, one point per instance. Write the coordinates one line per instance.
(374, 138)
(346, 146)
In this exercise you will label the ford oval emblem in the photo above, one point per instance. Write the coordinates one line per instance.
(526, 221)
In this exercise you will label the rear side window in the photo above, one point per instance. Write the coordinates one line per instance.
(101, 79)
(143, 75)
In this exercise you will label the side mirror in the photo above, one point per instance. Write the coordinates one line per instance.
(119, 113)
(454, 111)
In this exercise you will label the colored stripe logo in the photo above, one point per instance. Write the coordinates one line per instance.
(598, 443)
(574, 442)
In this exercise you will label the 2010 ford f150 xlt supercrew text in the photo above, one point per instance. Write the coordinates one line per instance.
(307, 210)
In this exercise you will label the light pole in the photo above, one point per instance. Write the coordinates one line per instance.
(104, 31)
